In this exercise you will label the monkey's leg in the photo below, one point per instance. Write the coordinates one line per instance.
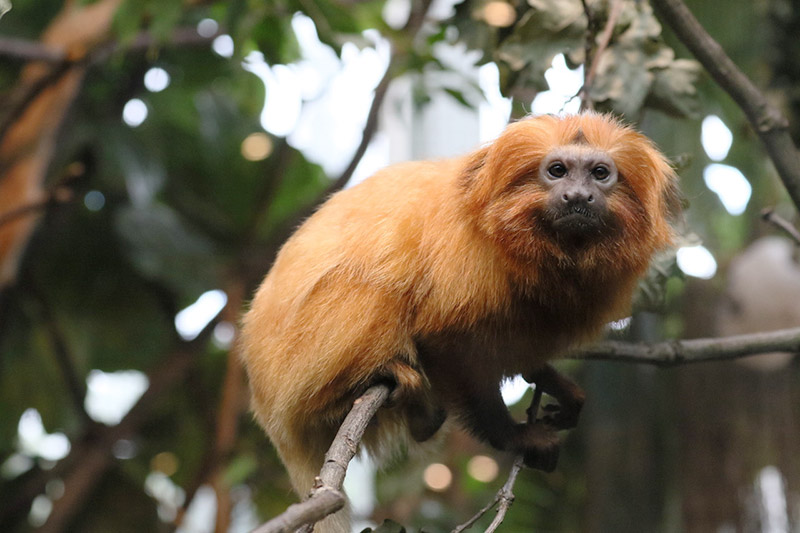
(412, 392)
(569, 395)
(483, 412)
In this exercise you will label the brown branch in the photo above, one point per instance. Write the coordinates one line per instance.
(29, 50)
(769, 215)
(593, 60)
(769, 123)
(681, 352)
(232, 404)
(75, 384)
(26, 50)
(266, 254)
(57, 196)
(370, 128)
(412, 26)
(326, 497)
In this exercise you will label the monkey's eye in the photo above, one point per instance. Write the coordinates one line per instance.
(557, 170)
(600, 173)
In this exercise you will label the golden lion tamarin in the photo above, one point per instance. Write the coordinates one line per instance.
(443, 278)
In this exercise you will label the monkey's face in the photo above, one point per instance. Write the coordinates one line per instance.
(578, 188)
(577, 181)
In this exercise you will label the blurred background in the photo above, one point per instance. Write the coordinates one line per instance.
(154, 154)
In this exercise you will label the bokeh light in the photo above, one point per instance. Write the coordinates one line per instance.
(438, 477)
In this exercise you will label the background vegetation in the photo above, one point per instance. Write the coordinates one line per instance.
(108, 231)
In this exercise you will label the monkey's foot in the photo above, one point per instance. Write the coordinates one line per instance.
(424, 422)
(569, 395)
(539, 445)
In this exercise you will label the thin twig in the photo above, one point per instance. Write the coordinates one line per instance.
(27, 50)
(769, 215)
(58, 195)
(681, 352)
(370, 128)
(231, 406)
(65, 360)
(770, 124)
(415, 21)
(505, 496)
(605, 39)
(267, 254)
(326, 497)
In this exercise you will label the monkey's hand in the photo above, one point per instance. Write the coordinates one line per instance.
(539, 445)
(569, 395)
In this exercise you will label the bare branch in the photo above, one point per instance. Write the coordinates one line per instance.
(370, 128)
(326, 497)
(26, 50)
(505, 496)
(65, 359)
(323, 502)
(680, 352)
(770, 124)
(592, 61)
(56, 196)
(415, 21)
(769, 215)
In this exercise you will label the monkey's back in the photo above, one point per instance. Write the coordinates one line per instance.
(350, 289)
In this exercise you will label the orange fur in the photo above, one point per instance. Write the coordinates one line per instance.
(433, 275)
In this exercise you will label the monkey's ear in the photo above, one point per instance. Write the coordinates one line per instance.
(474, 178)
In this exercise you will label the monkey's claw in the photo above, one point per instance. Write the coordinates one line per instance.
(569, 395)
(561, 417)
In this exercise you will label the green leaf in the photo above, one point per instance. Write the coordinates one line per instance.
(675, 88)
(162, 247)
(652, 289)
(459, 97)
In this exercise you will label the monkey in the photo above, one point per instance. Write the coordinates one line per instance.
(444, 278)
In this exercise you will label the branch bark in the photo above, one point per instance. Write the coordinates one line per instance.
(769, 123)
(769, 215)
(326, 497)
(681, 352)
(591, 61)
(412, 26)
(232, 403)
(505, 496)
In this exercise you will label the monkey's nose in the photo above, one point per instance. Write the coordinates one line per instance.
(577, 196)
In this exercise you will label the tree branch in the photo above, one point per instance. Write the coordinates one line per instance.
(769, 215)
(326, 497)
(231, 405)
(680, 352)
(29, 50)
(412, 26)
(505, 496)
(266, 255)
(591, 61)
(26, 50)
(65, 360)
(769, 123)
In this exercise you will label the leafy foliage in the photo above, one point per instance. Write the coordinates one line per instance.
(183, 213)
